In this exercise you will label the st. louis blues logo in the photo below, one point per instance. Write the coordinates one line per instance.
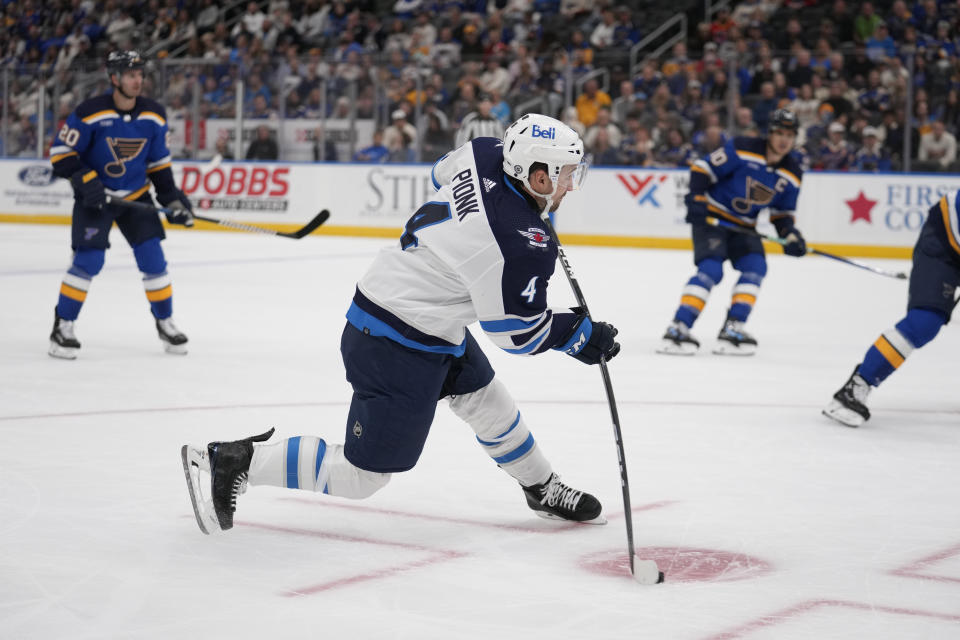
(124, 150)
(536, 237)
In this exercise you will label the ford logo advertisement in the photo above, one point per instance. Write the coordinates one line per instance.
(37, 175)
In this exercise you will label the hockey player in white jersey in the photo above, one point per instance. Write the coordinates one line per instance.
(477, 251)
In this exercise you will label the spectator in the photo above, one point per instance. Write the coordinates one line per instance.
(900, 18)
(571, 119)
(604, 154)
(866, 23)
(495, 77)
(835, 153)
(602, 35)
(436, 139)
(263, 146)
(938, 148)
(881, 45)
(800, 71)
(324, 149)
(841, 17)
(375, 152)
(393, 136)
(765, 106)
(590, 101)
(743, 124)
(649, 79)
(404, 152)
(675, 151)
(871, 156)
(603, 123)
(223, 148)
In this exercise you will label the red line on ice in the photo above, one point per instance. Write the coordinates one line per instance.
(784, 615)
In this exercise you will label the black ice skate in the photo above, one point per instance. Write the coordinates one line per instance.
(172, 338)
(677, 341)
(228, 464)
(734, 341)
(63, 342)
(849, 404)
(557, 501)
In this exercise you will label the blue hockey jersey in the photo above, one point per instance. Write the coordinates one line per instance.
(477, 251)
(945, 219)
(736, 183)
(123, 148)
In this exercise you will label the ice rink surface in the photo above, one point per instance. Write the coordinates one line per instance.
(769, 520)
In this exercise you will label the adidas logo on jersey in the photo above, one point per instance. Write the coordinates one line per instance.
(488, 184)
(537, 132)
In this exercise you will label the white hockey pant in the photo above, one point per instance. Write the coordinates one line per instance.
(309, 463)
(492, 413)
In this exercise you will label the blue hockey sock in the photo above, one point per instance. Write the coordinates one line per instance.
(697, 290)
(895, 345)
(76, 282)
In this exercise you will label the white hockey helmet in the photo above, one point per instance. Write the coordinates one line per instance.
(539, 138)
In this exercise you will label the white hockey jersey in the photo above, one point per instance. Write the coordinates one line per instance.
(477, 251)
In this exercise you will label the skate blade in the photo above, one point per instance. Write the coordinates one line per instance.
(671, 348)
(846, 417)
(194, 461)
(549, 516)
(65, 353)
(725, 348)
(176, 349)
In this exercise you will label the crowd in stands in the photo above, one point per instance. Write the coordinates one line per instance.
(438, 70)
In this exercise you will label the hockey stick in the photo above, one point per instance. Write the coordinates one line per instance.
(307, 229)
(648, 572)
(717, 222)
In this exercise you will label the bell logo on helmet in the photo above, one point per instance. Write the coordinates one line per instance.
(537, 132)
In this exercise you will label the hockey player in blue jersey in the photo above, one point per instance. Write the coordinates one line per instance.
(111, 145)
(477, 251)
(930, 302)
(731, 186)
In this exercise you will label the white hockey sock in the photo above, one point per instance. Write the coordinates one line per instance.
(493, 415)
(309, 463)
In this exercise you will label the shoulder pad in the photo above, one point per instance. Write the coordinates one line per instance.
(148, 104)
(751, 144)
(94, 105)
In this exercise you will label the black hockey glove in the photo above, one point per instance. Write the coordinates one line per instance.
(88, 190)
(181, 211)
(795, 245)
(594, 340)
(696, 213)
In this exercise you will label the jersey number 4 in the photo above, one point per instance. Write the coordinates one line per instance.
(429, 214)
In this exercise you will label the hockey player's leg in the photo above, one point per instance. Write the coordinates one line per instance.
(302, 462)
(227, 464)
(492, 413)
(159, 291)
(732, 338)
(933, 283)
(87, 263)
(677, 340)
(885, 356)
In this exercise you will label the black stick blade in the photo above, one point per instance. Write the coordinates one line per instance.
(310, 227)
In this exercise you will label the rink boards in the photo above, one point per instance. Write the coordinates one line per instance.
(856, 214)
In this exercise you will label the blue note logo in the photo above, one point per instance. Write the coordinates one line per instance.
(537, 132)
